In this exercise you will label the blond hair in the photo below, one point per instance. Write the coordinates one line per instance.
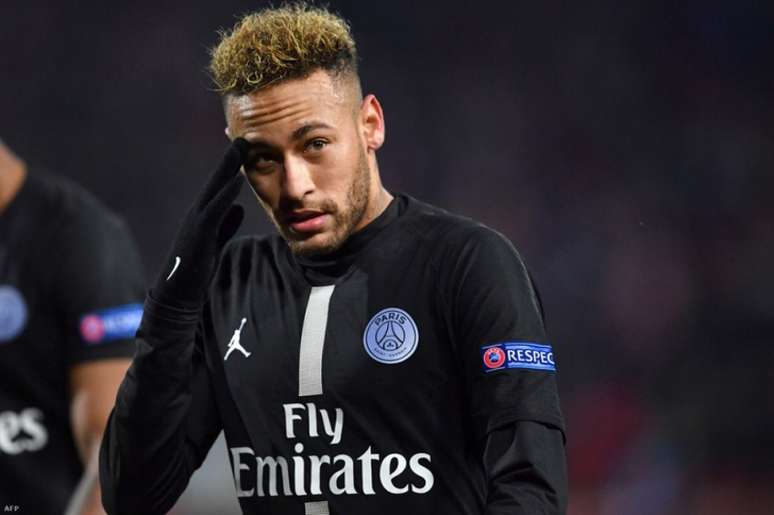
(280, 43)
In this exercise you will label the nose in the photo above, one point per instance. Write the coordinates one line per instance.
(297, 179)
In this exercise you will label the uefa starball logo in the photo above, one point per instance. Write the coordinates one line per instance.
(92, 328)
(494, 357)
(391, 336)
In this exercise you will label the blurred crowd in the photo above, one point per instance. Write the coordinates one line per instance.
(625, 147)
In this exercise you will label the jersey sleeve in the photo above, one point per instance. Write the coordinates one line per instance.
(165, 419)
(526, 470)
(99, 286)
(508, 361)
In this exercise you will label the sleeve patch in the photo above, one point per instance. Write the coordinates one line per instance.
(111, 324)
(501, 356)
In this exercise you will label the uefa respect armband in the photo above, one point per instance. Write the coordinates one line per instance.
(113, 323)
(525, 355)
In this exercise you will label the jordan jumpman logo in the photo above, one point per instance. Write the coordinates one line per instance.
(234, 343)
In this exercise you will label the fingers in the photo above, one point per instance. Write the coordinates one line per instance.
(227, 194)
(242, 147)
(228, 168)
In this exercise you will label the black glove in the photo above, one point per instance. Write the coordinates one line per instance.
(211, 222)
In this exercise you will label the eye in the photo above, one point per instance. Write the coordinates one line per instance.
(316, 144)
(261, 163)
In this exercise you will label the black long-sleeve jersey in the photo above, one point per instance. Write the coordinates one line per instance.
(394, 376)
(71, 287)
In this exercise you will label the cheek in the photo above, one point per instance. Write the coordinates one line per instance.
(331, 181)
(340, 169)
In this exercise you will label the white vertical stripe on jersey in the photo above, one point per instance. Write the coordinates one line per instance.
(316, 508)
(312, 339)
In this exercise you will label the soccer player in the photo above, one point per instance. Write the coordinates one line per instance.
(70, 282)
(378, 356)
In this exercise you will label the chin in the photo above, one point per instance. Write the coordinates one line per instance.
(317, 245)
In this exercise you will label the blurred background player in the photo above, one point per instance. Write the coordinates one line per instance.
(70, 282)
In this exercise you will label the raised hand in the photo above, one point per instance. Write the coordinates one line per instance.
(210, 223)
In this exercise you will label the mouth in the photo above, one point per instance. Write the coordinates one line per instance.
(306, 221)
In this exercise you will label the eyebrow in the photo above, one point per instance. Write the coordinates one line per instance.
(259, 145)
(304, 130)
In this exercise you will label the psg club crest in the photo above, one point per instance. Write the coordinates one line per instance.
(13, 313)
(391, 336)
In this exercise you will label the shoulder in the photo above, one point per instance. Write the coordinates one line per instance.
(450, 232)
(96, 254)
(247, 261)
(467, 255)
(244, 254)
(72, 221)
(71, 205)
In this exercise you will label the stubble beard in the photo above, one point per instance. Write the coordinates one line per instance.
(345, 218)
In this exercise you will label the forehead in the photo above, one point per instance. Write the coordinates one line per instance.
(289, 104)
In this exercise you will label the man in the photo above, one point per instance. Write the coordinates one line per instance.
(379, 356)
(70, 280)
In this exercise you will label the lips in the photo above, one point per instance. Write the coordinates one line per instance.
(307, 220)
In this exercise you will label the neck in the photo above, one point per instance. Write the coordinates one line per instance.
(12, 173)
(379, 198)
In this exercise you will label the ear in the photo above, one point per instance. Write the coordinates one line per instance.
(372, 122)
(228, 132)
